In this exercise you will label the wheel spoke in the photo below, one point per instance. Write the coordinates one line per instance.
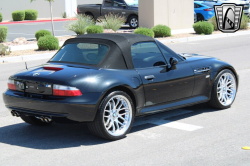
(107, 122)
(117, 126)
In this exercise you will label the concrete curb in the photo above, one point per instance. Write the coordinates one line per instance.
(204, 37)
(28, 47)
(35, 21)
(26, 58)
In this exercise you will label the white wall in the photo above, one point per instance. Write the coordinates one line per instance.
(71, 7)
(80, 2)
(42, 6)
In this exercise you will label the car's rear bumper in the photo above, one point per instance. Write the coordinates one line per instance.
(80, 109)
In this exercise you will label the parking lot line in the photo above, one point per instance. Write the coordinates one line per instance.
(177, 125)
(160, 120)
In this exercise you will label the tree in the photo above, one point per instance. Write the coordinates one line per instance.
(51, 14)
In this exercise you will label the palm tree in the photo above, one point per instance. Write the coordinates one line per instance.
(51, 14)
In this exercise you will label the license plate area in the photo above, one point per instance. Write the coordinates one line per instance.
(38, 87)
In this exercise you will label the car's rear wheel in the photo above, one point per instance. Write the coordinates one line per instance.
(133, 22)
(200, 17)
(224, 90)
(35, 120)
(115, 116)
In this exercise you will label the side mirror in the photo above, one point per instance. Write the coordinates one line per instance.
(173, 63)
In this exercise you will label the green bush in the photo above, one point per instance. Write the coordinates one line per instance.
(48, 43)
(79, 26)
(42, 33)
(144, 31)
(112, 21)
(31, 14)
(161, 31)
(1, 17)
(3, 33)
(244, 22)
(94, 29)
(203, 27)
(18, 15)
(214, 22)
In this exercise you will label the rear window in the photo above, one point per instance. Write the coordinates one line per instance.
(85, 53)
(209, 4)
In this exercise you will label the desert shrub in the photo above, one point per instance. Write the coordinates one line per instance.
(64, 15)
(112, 21)
(214, 22)
(79, 26)
(48, 43)
(18, 15)
(42, 33)
(203, 27)
(3, 33)
(31, 14)
(94, 29)
(161, 31)
(244, 22)
(144, 31)
(1, 17)
(4, 50)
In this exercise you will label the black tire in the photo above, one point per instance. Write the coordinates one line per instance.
(200, 17)
(97, 127)
(214, 101)
(33, 120)
(90, 15)
(133, 22)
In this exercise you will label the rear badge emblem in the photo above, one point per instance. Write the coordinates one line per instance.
(36, 74)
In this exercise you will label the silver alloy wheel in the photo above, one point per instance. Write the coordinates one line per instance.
(134, 22)
(117, 115)
(226, 89)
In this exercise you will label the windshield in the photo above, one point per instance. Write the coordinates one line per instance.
(132, 2)
(85, 53)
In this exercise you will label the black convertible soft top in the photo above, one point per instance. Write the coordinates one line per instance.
(122, 41)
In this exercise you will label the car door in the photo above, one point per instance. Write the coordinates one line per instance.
(107, 7)
(119, 8)
(161, 84)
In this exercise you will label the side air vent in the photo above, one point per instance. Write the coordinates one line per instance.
(202, 70)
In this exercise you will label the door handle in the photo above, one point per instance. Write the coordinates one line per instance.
(151, 77)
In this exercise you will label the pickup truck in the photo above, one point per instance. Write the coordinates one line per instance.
(127, 8)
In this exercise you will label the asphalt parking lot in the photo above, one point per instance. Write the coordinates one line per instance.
(28, 30)
(197, 135)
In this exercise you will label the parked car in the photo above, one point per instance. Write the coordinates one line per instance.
(127, 8)
(203, 10)
(106, 80)
(238, 2)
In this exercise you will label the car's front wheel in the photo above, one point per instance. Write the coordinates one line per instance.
(115, 116)
(224, 90)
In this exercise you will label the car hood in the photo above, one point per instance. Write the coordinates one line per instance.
(53, 72)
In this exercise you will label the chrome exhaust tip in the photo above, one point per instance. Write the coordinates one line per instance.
(44, 119)
(15, 113)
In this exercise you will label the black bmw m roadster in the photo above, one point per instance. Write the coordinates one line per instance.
(108, 79)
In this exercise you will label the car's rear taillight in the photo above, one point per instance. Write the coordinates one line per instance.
(77, 11)
(11, 85)
(209, 9)
(61, 90)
